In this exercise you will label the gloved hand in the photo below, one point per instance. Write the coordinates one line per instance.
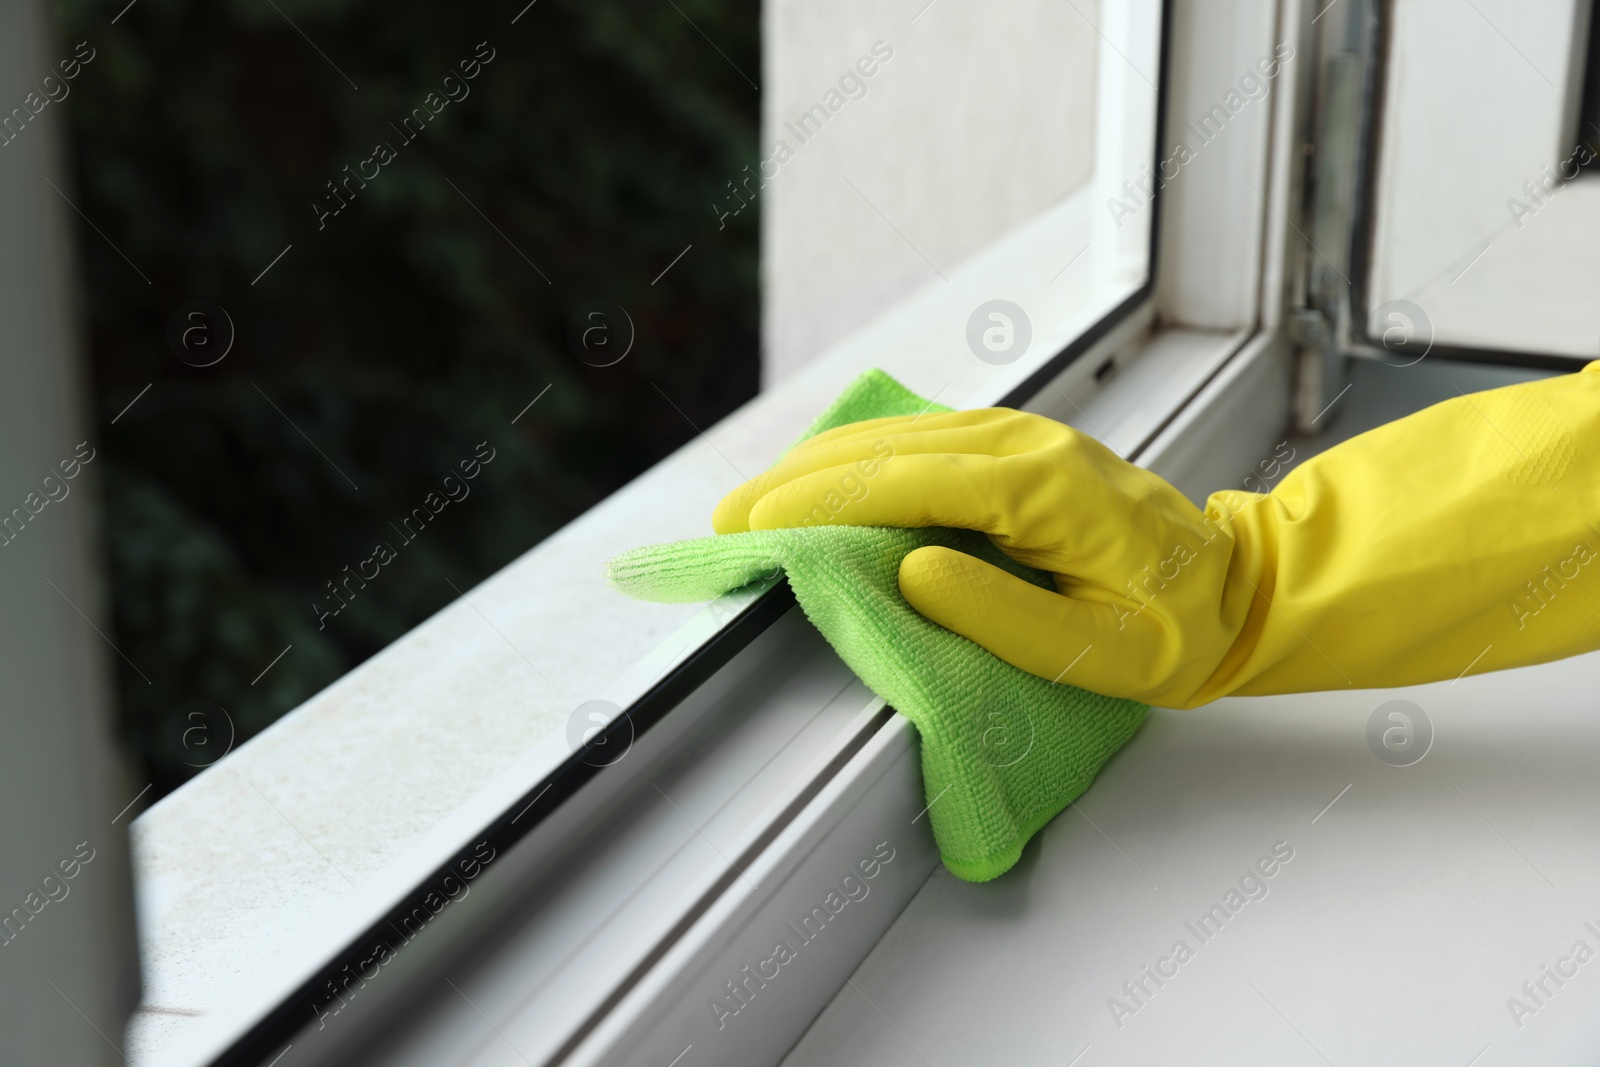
(1457, 538)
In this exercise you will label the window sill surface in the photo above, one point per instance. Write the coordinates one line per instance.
(322, 809)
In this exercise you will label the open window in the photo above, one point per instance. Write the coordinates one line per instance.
(540, 746)
(551, 825)
(1476, 194)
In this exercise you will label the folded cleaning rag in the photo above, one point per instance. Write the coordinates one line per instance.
(1003, 751)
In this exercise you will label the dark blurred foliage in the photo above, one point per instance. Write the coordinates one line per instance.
(407, 330)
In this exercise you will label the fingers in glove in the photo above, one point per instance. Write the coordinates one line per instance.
(1101, 647)
(908, 491)
(865, 445)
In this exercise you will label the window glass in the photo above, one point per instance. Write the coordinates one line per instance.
(399, 322)
(883, 181)
(1496, 255)
(339, 264)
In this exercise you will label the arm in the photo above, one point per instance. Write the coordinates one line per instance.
(1463, 536)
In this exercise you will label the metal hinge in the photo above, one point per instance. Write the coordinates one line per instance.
(1320, 327)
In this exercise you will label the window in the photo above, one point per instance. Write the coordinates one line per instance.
(1479, 203)
(339, 385)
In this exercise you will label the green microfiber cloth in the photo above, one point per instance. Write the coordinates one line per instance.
(1003, 751)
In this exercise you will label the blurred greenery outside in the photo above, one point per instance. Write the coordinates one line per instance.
(402, 333)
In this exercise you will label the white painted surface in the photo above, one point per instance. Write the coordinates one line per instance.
(1285, 168)
(615, 901)
(1478, 102)
(1124, 411)
(721, 785)
(313, 817)
(877, 797)
(983, 119)
(1220, 106)
(1410, 912)
(1413, 909)
(1234, 422)
(870, 821)
(68, 966)
(309, 816)
(986, 119)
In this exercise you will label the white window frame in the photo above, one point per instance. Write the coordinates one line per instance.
(1494, 248)
(1122, 361)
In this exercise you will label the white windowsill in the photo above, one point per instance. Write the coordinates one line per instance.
(379, 774)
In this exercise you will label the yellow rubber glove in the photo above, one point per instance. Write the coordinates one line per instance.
(1460, 538)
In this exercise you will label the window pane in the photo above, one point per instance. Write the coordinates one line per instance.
(882, 181)
(1499, 254)
(401, 323)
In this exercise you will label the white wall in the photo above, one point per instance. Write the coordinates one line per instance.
(982, 118)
